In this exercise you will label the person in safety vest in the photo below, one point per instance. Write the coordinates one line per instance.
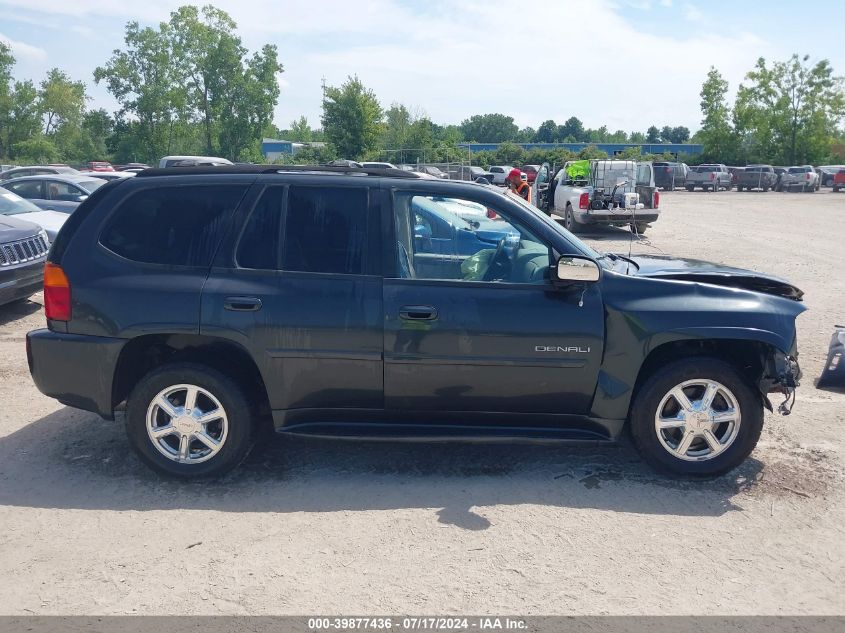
(518, 185)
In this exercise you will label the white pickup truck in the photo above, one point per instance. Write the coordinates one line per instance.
(803, 178)
(609, 192)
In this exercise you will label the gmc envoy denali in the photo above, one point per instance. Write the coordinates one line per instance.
(372, 303)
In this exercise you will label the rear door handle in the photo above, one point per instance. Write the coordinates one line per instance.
(242, 304)
(418, 313)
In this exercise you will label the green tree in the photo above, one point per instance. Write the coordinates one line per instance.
(790, 110)
(489, 128)
(300, 131)
(652, 135)
(619, 136)
(590, 152)
(573, 129)
(397, 127)
(150, 89)
(7, 62)
(233, 96)
(351, 118)
(20, 114)
(37, 149)
(547, 132)
(716, 133)
(62, 101)
(636, 137)
(509, 154)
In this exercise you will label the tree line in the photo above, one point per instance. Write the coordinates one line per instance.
(784, 113)
(189, 86)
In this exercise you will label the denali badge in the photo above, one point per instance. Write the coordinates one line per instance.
(557, 348)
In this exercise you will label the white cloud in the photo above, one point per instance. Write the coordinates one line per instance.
(23, 51)
(693, 13)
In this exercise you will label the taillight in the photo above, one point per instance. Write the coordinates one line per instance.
(584, 201)
(656, 199)
(492, 215)
(56, 293)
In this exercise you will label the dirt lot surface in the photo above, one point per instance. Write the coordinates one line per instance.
(337, 527)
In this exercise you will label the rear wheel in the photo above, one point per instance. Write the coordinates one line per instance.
(188, 420)
(739, 188)
(696, 417)
(639, 227)
(569, 220)
(689, 188)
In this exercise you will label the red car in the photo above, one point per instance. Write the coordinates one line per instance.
(100, 165)
(839, 180)
(531, 172)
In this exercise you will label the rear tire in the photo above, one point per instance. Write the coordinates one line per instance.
(688, 188)
(714, 447)
(193, 448)
(569, 221)
(639, 228)
(739, 188)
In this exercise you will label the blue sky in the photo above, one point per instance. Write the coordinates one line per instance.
(624, 63)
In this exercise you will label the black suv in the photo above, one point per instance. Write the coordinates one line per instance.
(348, 302)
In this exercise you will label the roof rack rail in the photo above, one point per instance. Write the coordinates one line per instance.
(277, 169)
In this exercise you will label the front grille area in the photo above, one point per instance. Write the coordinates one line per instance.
(22, 251)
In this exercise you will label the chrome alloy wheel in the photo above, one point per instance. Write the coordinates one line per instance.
(697, 420)
(187, 424)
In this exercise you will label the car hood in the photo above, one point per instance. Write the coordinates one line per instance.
(11, 228)
(666, 267)
(50, 221)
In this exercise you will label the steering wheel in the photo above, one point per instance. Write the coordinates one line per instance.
(497, 262)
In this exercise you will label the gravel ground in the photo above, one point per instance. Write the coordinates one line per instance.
(355, 528)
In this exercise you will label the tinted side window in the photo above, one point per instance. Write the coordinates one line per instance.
(326, 230)
(259, 243)
(26, 189)
(177, 226)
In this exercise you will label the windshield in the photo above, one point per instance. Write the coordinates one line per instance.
(91, 185)
(13, 204)
(578, 244)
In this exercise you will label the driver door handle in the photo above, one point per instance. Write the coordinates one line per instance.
(418, 313)
(242, 304)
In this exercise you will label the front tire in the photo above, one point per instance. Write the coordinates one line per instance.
(696, 417)
(189, 421)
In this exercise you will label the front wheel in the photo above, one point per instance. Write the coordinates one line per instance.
(187, 420)
(696, 417)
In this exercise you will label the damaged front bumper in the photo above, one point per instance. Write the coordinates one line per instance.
(782, 375)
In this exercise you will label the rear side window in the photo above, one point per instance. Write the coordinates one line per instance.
(326, 231)
(26, 189)
(176, 226)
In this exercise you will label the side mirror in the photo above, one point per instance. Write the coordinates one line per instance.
(577, 269)
(81, 198)
(422, 236)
